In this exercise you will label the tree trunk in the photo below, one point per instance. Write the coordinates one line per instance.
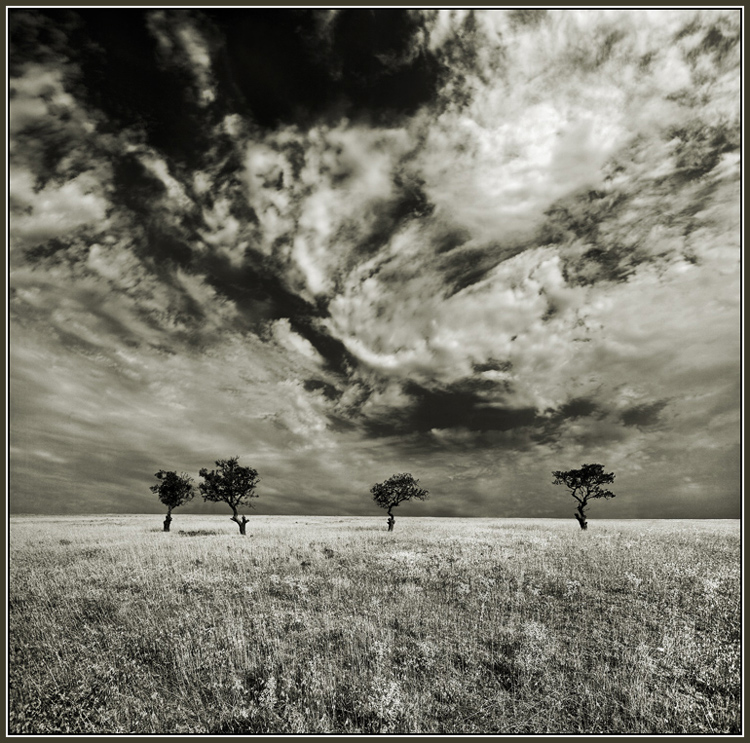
(167, 521)
(241, 521)
(581, 517)
(391, 520)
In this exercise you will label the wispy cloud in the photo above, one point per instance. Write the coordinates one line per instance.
(182, 45)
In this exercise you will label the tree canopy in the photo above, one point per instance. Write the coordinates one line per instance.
(173, 489)
(395, 490)
(585, 484)
(230, 483)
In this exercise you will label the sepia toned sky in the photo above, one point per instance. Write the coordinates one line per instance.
(474, 246)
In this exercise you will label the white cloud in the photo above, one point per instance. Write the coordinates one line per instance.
(182, 44)
(115, 261)
(197, 51)
(37, 93)
(332, 203)
(294, 342)
(175, 191)
(55, 210)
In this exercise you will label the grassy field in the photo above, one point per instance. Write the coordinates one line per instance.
(333, 625)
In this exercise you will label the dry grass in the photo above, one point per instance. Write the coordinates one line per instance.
(332, 625)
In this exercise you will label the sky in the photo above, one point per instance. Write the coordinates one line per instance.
(475, 246)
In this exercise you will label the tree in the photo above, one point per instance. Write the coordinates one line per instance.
(585, 484)
(173, 490)
(231, 484)
(395, 490)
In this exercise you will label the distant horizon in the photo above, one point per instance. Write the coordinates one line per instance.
(593, 519)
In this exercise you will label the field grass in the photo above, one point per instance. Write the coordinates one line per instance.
(333, 625)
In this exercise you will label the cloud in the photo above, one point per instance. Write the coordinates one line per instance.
(179, 407)
(573, 90)
(315, 208)
(478, 246)
(53, 211)
(181, 44)
(294, 342)
(56, 186)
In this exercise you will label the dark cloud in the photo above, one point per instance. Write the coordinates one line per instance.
(493, 365)
(47, 144)
(578, 408)
(462, 267)
(590, 54)
(311, 385)
(381, 71)
(527, 16)
(277, 66)
(258, 293)
(338, 358)
(643, 415)
(720, 40)
(456, 407)
(700, 146)
(265, 68)
(410, 202)
(461, 62)
(579, 215)
(38, 37)
(599, 264)
(50, 250)
(135, 187)
(166, 247)
(553, 429)
(126, 82)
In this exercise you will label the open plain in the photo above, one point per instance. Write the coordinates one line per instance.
(333, 625)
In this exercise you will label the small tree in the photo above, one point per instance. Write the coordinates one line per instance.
(231, 484)
(395, 490)
(173, 490)
(585, 484)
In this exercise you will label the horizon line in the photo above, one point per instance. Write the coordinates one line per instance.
(361, 516)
